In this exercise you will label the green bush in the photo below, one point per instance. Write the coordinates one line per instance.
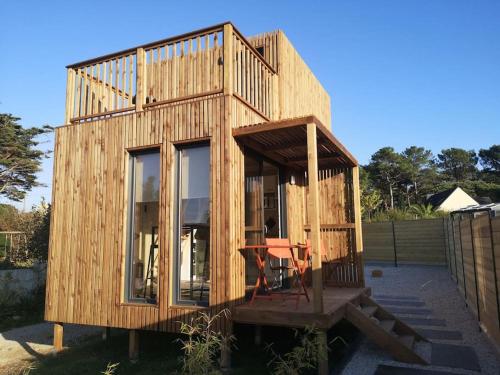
(203, 344)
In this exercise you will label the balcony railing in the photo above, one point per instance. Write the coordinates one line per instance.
(210, 61)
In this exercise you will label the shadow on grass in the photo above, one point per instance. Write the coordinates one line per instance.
(159, 352)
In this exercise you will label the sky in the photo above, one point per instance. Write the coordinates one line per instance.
(399, 73)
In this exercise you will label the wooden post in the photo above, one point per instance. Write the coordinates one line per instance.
(140, 80)
(493, 257)
(133, 345)
(58, 336)
(358, 224)
(322, 353)
(475, 267)
(394, 245)
(228, 59)
(70, 96)
(312, 174)
(258, 335)
(106, 333)
(225, 352)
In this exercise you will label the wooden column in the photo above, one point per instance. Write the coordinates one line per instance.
(225, 352)
(58, 336)
(106, 333)
(228, 59)
(322, 353)
(140, 79)
(312, 173)
(258, 335)
(70, 96)
(133, 345)
(358, 235)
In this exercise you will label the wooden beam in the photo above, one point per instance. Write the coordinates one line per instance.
(58, 336)
(256, 146)
(357, 223)
(322, 353)
(321, 158)
(273, 125)
(140, 80)
(106, 333)
(338, 145)
(133, 345)
(70, 96)
(333, 226)
(312, 172)
(228, 59)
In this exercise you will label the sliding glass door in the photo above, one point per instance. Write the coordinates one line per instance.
(264, 205)
(192, 255)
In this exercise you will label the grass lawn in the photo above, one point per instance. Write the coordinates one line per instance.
(159, 353)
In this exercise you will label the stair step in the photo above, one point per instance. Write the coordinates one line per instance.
(388, 325)
(369, 310)
(407, 340)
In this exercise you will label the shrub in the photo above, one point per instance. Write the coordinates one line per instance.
(303, 357)
(37, 232)
(203, 344)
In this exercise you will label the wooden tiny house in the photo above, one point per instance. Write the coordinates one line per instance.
(174, 155)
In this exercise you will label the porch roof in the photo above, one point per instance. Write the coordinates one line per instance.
(285, 142)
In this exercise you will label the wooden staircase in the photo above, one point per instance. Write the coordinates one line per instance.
(386, 330)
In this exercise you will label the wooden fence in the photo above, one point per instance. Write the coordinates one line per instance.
(11, 245)
(408, 241)
(473, 254)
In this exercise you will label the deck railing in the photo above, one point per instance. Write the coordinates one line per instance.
(253, 77)
(180, 68)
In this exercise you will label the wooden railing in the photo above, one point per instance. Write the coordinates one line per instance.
(184, 67)
(210, 61)
(253, 77)
(101, 87)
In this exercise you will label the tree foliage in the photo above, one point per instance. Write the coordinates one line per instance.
(20, 158)
(397, 185)
(458, 164)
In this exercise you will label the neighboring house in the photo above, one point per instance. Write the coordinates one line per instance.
(451, 200)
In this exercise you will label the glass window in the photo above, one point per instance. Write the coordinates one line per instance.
(142, 259)
(193, 225)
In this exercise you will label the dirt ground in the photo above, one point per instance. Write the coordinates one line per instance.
(19, 346)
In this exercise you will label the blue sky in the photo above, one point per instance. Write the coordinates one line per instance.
(400, 73)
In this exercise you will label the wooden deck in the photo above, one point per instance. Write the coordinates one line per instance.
(279, 312)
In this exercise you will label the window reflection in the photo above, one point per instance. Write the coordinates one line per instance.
(193, 257)
(143, 227)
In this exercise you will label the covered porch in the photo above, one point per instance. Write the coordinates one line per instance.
(318, 201)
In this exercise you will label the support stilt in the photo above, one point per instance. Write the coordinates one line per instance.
(225, 352)
(323, 353)
(106, 333)
(258, 335)
(133, 345)
(58, 337)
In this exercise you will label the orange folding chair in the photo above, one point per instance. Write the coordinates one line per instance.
(282, 249)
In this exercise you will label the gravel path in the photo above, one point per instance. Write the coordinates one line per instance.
(432, 285)
(21, 345)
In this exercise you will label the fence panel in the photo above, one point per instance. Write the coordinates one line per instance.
(378, 242)
(409, 241)
(469, 265)
(485, 273)
(477, 257)
(420, 241)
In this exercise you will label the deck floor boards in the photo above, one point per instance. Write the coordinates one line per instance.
(284, 312)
